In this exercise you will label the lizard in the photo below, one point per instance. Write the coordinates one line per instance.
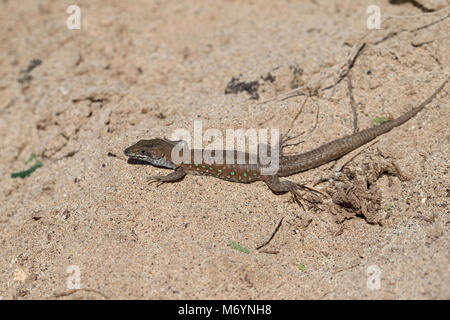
(158, 152)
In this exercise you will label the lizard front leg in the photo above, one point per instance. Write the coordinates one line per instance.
(174, 176)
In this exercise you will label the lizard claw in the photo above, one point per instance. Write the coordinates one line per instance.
(294, 186)
(312, 189)
(297, 198)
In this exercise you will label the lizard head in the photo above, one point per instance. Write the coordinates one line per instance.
(155, 151)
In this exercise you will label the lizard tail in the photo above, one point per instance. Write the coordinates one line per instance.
(386, 127)
(337, 148)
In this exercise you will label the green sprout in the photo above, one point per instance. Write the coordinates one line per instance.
(25, 173)
(237, 247)
(380, 120)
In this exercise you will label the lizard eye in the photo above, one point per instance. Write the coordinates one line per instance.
(143, 151)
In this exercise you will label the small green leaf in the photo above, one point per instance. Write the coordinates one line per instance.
(237, 247)
(380, 120)
(301, 267)
(25, 173)
(388, 207)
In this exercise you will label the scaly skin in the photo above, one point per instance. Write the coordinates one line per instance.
(158, 152)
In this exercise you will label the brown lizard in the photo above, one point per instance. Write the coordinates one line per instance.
(158, 152)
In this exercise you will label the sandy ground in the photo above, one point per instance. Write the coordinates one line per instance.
(143, 69)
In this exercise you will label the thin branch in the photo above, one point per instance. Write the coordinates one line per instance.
(352, 104)
(350, 63)
(356, 154)
(272, 235)
(70, 292)
(303, 90)
(296, 116)
(395, 33)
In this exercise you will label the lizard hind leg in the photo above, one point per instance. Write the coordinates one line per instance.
(283, 186)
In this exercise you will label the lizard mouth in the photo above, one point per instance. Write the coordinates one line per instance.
(129, 153)
(158, 162)
(137, 156)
